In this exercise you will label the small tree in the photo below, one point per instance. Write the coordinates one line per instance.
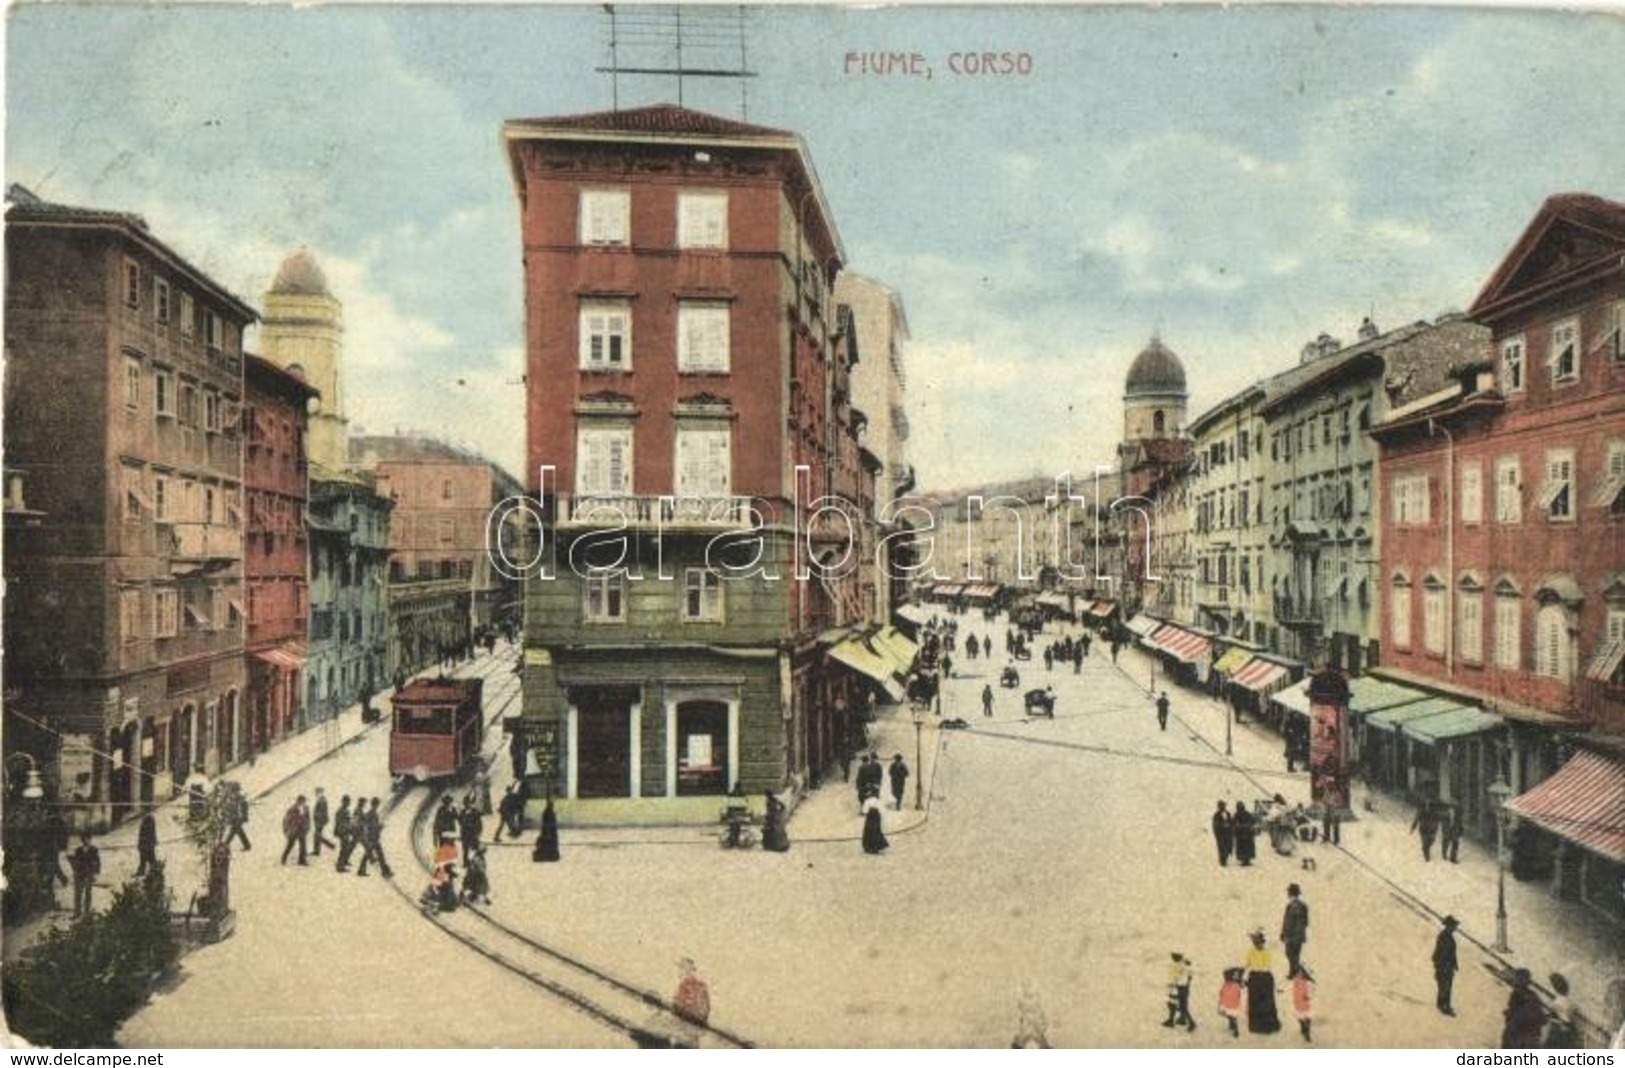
(78, 983)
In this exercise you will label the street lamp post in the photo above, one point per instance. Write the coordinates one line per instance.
(919, 761)
(1499, 791)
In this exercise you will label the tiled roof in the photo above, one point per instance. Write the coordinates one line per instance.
(25, 205)
(658, 119)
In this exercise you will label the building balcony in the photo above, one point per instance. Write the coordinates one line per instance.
(1299, 612)
(200, 542)
(648, 512)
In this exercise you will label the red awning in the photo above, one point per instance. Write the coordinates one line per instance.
(1260, 675)
(1584, 802)
(1180, 643)
(286, 658)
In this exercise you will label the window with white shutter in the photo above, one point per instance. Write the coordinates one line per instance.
(1552, 643)
(1508, 632)
(704, 461)
(1610, 491)
(1508, 490)
(1470, 626)
(604, 461)
(604, 597)
(1433, 617)
(1565, 351)
(1613, 340)
(1512, 370)
(1401, 613)
(702, 220)
(606, 335)
(1472, 493)
(606, 216)
(702, 337)
(1557, 492)
(702, 595)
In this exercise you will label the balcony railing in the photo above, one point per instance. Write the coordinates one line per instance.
(203, 541)
(646, 511)
(1291, 611)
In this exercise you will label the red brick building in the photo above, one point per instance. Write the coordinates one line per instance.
(124, 381)
(276, 486)
(1503, 523)
(683, 344)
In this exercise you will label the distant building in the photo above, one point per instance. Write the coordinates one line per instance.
(276, 477)
(303, 333)
(443, 589)
(124, 381)
(1154, 566)
(350, 625)
(683, 366)
(880, 393)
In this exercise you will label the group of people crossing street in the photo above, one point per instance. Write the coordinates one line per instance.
(360, 826)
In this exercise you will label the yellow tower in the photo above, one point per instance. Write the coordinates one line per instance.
(303, 333)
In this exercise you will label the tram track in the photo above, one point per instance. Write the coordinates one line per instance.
(641, 1015)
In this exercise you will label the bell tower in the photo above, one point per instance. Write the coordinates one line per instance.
(303, 333)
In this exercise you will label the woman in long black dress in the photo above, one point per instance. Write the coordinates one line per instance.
(1244, 826)
(1262, 1019)
(774, 837)
(874, 840)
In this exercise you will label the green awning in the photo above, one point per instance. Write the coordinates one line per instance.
(1457, 723)
(1401, 716)
(1294, 698)
(1368, 695)
(1229, 662)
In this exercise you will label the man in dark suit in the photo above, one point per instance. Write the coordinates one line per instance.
(1294, 928)
(86, 862)
(319, 817)
(1444, 964)
(146, 844)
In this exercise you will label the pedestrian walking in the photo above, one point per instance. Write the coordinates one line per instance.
(1077, 659)
(898, 773)
(874, 836)
(1444, 964)
(1179, 993)
(1426, 825)
(547, 842)
(1331, 824)
(86, 864)
(1032, 1023)
(845, 756)
(775, 839)
(296, 829)
(1262, 1018)
(1524, 1018)
(1162, 710)
(874, 775)
(1244, 827)
(1450, 835)
(1049, 658)
(477, 880)
(239, 817)
(1223, 835)
(1294, 928)
(344, 830)
(1561, 1031)
(987, 699)
(1303, 996)
(445, 818)
(319, 819)
(509, 812)
(470, 826)
(372, 834)
(1231, 997)
(987, 647)
(862, 783)
(146, 844)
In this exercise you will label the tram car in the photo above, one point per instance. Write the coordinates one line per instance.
(435, 730)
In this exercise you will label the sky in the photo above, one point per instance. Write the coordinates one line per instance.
(1238, 180)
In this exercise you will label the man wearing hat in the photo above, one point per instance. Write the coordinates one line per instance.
(899, 779)
(1294, 928)
(1444, 963)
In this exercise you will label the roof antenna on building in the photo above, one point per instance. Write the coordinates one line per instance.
(696, 44)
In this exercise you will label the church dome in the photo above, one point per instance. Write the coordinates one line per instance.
(1155, 371)
(301, 275)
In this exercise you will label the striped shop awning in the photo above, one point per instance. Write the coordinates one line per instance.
(1583, 802)
(1181, 644)
(1260, 676)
